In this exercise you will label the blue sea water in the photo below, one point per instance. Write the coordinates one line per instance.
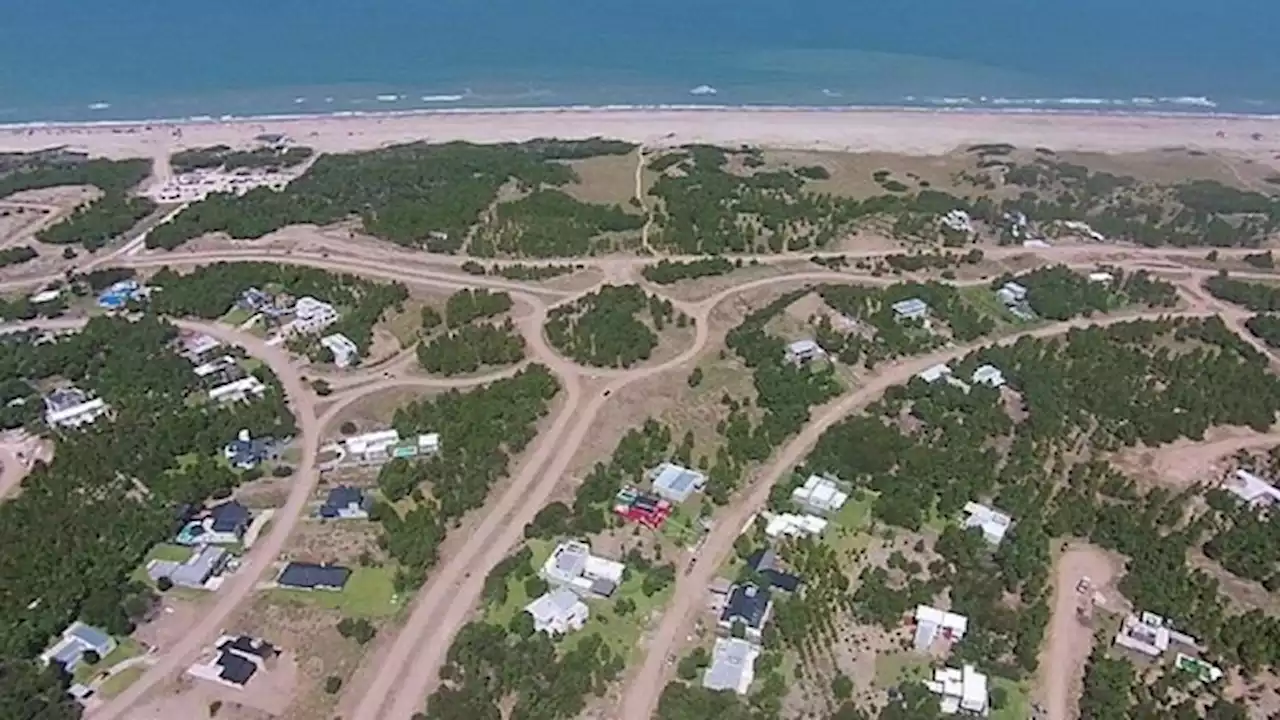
(65, 60)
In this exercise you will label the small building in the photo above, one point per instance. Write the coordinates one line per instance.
(195, 345)
(932, 623)
(238, 390)
(216, 365)
(247, 453)
(345, 352)
(345, 503)
(74, 416)
(749, 606)
(222, 524)
(378, 447)
(45, 296)
(718, 592)
(642, 508)
(573, 566)
(910, 309)
(257, 301)
(1012, 293)
(675, 482)
(962, 690)
(802, 351)
(1102, 277)
(994, 524)
(201, 571)
(558, 612)
(988, 375)
(934, 374)
(75, 641)
(766, 564)
(791, 525)
(820, 495)
(958, 221)
(1252, 489)
(119, 294)
(234, 661)
(1203, 671)
(311, 316)
(310, 576)
(1151, 635)
(732, 666)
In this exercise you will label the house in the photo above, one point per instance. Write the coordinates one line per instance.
(199, 572)
(802, 351)
(238, 390)
(675, 482)
(718, 593)
(573, 566)
(732, 666)
(1252, 489)
(311, 316)
(1150, 635)
(1012, 293)
(1102, 277)
(77, 640)
(1083, 228)
(959, 221)
(220, 525)
(247, 453)
(380, 446)
(988, 375)
(792, 525)
(235, 660)
(1204, 671)
(557, 612)
(961, 690)
(310, 576)
(214, 366)
(195, 345)
(934, 374)
(257, 301)
(346, 503)
(820, 495)
(642, 508)
(119, 294)
(932, 622)
(765, 563)
(748, 606)
(45, 296)
(345, 352)
(910, 309)
(994, 523)
(74, 416)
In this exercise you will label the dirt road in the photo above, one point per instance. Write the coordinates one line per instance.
(12, 470)
(1069, 642)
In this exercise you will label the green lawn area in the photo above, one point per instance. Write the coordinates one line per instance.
(1017, 704)
(121, 681)
(893, 669)
(983, 299)
(125, 649)
(621, 632)
(369, 593)
(682, 526)
(236, 316)
(251, 364)
(517, 598)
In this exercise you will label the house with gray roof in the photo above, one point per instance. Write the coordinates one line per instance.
(910, 309)
(196, 572)
(676, 483)
(310, 576)
(346, 503)
(77, 640)
(558, 611)
(732, 666)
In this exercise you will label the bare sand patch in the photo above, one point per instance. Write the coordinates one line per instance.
(1186, 462)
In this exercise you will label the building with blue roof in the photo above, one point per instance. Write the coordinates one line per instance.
(346, 503)
(676, 483)
(310, 576)
(77, 640)
(749, 606)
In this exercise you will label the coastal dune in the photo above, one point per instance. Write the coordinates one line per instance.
(924, 132)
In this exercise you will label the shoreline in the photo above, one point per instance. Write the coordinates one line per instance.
(900, 130)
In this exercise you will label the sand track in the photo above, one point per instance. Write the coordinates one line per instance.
(1069, 641)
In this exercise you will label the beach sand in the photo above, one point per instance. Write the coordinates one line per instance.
(894, 131)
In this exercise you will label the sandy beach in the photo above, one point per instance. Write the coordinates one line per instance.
(897, 131)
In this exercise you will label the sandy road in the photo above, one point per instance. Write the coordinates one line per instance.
(12, 470)
(1069, 642)
(641, 697)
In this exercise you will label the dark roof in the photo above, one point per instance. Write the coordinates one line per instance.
(344, 496)
(235, 669)
(765, 563)
(229, 517)
(763, 559)
(249, 646)
(310, 575)
(748, 604)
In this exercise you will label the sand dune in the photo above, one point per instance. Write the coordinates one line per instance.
(900, 131)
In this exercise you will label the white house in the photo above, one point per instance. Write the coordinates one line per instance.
(732, 666)
(45, 296)
(959, 221)
(345, 352)
(676, 482)
(934, 374)
(382, 445)
(1101, 277)
(572, 565)
(790, 525)
(215, 365)
(1150, 635)
(76, 415)
(802, 351)
(988, 375)
(932, 622)
(1012, 293)
(311, 315)
(820, 495)
(1252, 489)
(962, 690)
(558, 612)
(994, 523)
(910, 309)
(238, 390)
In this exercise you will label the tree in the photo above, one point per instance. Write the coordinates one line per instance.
(358, 629)
(164, 584)
(332, 684)
(321, 387)
(91, 657)
(535, 586)
(841, 686)
(695, 377)
(347, 428)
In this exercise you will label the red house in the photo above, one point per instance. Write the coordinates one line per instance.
(643, 508)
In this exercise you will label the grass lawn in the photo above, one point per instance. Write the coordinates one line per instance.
(369, 593)
(622, 632)
(251, 364)
(893, 669)
(983, 299)
(125, 649)
(121, 681)
(1017, 704)
(682, 526)
(517, 598)
(236, 316)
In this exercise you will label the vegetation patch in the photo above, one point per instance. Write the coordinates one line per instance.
(666, 272)
(605, 329)
(17, 255)
(224, 157)
(472, 342)
(369, 593)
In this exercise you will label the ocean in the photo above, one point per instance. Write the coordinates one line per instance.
(70, 60)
